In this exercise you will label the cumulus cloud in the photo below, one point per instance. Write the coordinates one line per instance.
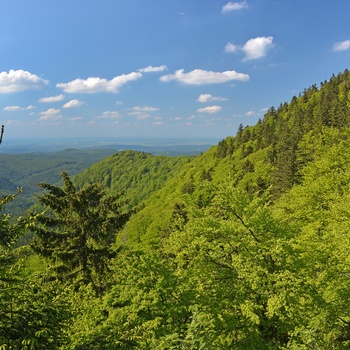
(19, 80)
(151, 69)
(50, 115)
(210, 109)
(18, 108)
(95, 84)
(52, 99)
(250, 113)
(109, 115)
(199, 77)
(73, 104)
(158, 123)
(209, 97)
(257, 47)
(341, 46)
(234, 6)
(253, 48)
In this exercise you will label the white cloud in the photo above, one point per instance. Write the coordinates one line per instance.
(234, 6)
(341, 46)
(19, 80)
(199, 77)
(257, 47)
(73, 104)
(18, 108)
(209, 97)
(158, 123)
(231, 48)
(50, 114)
(210, 109)
(150, 69)
(94, 84)
(52, 99)
(253, 48)
(250, 113)
(144, 109)
(109, 115)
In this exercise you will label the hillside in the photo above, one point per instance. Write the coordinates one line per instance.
(245, 246)
(137, 173)
(27, 170)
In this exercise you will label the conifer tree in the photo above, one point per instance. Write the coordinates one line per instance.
(77, 230)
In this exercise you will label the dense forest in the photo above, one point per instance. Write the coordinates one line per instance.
(245, 246)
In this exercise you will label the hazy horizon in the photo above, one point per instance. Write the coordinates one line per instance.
(55, 144)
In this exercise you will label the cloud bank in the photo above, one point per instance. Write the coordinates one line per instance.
(200, 77)
(19, 80)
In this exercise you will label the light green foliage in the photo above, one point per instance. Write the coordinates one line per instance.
(318, 208)
(236, 259)
(143, 310)
(138, 173)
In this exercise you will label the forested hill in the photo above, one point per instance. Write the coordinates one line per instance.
(266, 159)
(137, 173)
(245, 246)
(27, 170)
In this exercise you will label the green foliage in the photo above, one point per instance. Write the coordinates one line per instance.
(235, 258)
(77, 232)
(318, 209)
(33, 313)
(243, 247)
(138, 173)
(27, 170)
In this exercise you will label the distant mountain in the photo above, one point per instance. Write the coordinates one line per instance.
(170, 147)
(27, 170)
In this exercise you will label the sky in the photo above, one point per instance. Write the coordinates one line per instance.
(161, 68)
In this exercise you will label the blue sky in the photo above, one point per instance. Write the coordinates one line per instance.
(161, 68)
